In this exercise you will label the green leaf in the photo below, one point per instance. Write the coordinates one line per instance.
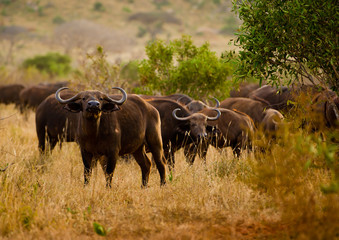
(99, 229)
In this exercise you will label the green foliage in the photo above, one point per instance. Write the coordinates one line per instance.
(295, 38)
(98, 6)
(182, 67)
(55, 64)
(141, 32)
(99, 229)
(58, 20)
(6, 2)
(97, 73)
(126, 9)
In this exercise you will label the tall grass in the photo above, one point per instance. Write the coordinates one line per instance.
(271, 195)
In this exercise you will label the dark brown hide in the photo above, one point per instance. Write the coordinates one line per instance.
(10, 93)
(324, 111)
(181, 98)
(197, 105)
(54, 123)
(244, 90)
(177, 133)
(271, 96)
(232, 129)
(108, 128)
(256, 110)
(32, 96)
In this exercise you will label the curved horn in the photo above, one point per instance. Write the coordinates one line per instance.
(216, 117)
(217, 102)
(64, 101)
(118, 102)
(179, 118)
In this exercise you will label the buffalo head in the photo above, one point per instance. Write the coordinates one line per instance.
(197, 122)
(91, 103)
(196, 105)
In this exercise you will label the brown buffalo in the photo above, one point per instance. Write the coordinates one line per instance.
(54, 123)
(244, 89)
(108, 128)
(10, 93)
(32, 96)
(263, 119)
(180, 127)
(233, 129)
(181, 98)
(197, 105)
(276, 98)
(324, 110)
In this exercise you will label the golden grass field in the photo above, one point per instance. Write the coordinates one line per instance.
(266, 196)
(271, 195)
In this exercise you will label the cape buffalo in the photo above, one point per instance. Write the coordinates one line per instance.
(271, 96)
(54, 123)
(179, 126)
(244, 89)
(233, 129)
(197, 105)
(263, 119)
(10, 93)
(324, 110)
(108, 128)
(32, 96)
(181, 98)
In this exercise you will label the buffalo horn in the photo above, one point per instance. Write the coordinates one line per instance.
(122, 100)
(216, 117)
(217, 102)
(179, 118)
(64, 101)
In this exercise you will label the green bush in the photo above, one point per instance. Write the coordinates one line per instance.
(297, 38)
(182, 67)
(58, 20)
(54, 64)
(98, 6)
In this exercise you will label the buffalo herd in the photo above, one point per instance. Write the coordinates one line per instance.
(107, 126)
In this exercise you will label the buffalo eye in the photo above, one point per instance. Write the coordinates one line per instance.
(83, 99)
(101, 99)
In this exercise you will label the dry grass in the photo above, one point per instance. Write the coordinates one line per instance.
(44, 198)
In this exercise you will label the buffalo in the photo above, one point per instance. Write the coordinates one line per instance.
(107, 128)
(197, 105)
(272, 97)
(233, 129)
(54, 123)
(179, 126)
(324, 110)
(181, 98)
(32, 96)
(10, 93)
(264, 118)
(244, 89)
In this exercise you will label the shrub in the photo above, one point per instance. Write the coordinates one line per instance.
(98, 6)
(181, 66)
(295, 38)
(51, 63)
(58, 20)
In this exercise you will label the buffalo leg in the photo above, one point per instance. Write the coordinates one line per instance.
(190, 152)
(109, 166)
(87, 160)
(155, 145)
(144, 163)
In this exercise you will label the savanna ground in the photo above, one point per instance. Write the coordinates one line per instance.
(271, 195)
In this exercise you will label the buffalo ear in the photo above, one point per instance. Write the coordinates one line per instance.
(73, 107)
(110, 107)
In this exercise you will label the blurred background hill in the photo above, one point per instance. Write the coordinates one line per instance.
(123, 27)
